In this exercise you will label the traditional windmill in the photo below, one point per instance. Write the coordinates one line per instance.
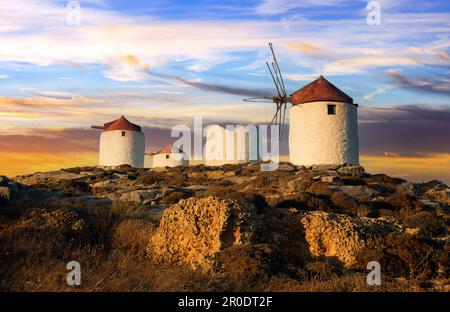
(121, 143)
(323, 120)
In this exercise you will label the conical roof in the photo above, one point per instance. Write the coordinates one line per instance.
(319, 90)
(121, 124)
(167, 150)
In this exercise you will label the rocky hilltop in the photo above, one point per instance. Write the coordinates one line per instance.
(233, 227)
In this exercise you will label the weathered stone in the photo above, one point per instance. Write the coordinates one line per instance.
(142, 197)
(194, 230)
(287, 167)
(356, 171)
(329, 179)
(298, 184)
(325, 167)
(440, 196)
(356, 190)
(340, 236)
(196, 175)
(219, 174)
(430, 204)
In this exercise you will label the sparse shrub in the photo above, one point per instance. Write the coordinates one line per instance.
(246, 267)
(75, 170)
(320, 271)
(344, 202)
(232, 167)
(319, 188)
(313, 202)
(402, 255)
(402, 202)
(100, 226)
(74, 187)
(391, 265)
(292, 203)
(149, 178)
(347, 204)
(384, 180)
(353, 181)
(177, 180)
(133, 234)
(428, 223)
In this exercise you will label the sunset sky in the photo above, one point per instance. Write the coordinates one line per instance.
(160, 63)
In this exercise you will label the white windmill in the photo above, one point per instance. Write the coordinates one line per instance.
(323, 120)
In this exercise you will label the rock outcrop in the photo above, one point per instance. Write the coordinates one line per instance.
(193, 231)
(341, 236)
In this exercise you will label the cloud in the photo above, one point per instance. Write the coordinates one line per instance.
(359, 64)
(36, 32)
(421, 84)
(308, 49)
(380, 90)
(410, 130)
(224, 89)
(274, 7)
(126, 68)
(40, 140)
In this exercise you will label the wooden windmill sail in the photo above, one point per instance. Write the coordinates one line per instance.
(280, 99)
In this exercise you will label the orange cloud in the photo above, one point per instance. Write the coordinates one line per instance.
(307, 49)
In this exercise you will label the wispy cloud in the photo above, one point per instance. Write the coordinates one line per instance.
(421, 84)
(126, 68)
(378, 91)
(274, 7)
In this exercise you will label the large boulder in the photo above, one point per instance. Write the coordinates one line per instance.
(356, 191)
(193, 231)
(44, 178)
(353, 170)
(142, 197)
(341, 236)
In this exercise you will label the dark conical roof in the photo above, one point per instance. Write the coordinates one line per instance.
(319, 90)
(119, 124)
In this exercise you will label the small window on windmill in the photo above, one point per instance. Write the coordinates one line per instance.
(123, 133)
(331, 109)
(167, 156)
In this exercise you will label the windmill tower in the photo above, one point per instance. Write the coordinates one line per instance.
(323, 126)
(323, 121)
(121, 143)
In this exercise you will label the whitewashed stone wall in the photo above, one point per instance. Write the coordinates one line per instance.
(168, 160)
(315, 137)
(116, 150)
